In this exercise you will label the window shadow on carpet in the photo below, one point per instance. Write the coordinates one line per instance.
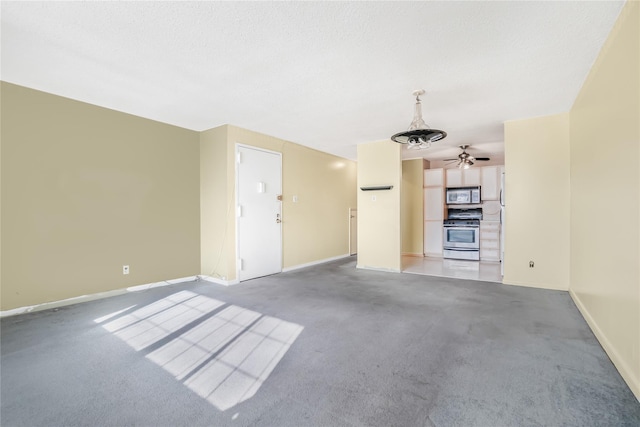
(222, 352)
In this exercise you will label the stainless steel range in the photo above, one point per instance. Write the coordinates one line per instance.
(462, 234)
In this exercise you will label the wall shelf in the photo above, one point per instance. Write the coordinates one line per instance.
(379, 187)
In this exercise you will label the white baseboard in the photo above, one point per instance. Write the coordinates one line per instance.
(533, 285)
(219, 281)
(416, 254)
(618, 362)
(309, 264)
(160, 284)
(433, 255)
(386, 270)
(92, 297)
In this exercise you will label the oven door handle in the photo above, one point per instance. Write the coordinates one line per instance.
(461, 249)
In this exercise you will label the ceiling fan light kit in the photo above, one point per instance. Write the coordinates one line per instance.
(466, 160)
(419, 136)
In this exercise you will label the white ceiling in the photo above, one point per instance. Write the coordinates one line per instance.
(328, 75)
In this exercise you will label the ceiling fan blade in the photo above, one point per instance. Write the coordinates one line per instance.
(449, 160)
(484, 159)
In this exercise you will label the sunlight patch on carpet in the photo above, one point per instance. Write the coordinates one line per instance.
(224, 353)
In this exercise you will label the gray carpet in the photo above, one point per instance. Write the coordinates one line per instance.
(343, 347)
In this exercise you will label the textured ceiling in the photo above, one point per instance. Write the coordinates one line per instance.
(328, 75)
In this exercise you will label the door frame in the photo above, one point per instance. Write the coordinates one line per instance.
(238, 146)
(351, 210)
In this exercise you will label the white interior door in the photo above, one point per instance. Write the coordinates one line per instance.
(259, 183)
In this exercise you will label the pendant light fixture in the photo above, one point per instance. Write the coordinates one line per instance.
(419, 135)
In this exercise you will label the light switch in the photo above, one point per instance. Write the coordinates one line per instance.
(295, 199)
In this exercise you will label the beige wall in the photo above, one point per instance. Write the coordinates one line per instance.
(537, 202)
(605, 197)
(216, 204)
(379, 234)
(89, 189)
(1, 86)
(86, 190)
(315, 228)
(412, 209)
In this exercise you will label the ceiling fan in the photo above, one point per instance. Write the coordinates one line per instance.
(465, 159)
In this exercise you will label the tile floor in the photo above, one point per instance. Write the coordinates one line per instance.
(472, 270)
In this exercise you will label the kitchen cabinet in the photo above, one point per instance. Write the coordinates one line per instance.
(463, 177)
(471, 177)
(489, 240)
(434, 177)
(433, 238)
(454, 177)
(487, 177)
(434, 209)
(490, 183)
(433, 204)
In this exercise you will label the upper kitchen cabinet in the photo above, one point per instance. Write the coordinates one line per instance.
(490, 183)
(434, 177)
(454, 177)
(471, 177)
(463, 177)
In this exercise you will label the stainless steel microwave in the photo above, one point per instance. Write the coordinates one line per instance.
(463, 196)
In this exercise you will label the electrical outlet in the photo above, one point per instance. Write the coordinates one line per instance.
(531, 264)
(373, 198)
(125, 269)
